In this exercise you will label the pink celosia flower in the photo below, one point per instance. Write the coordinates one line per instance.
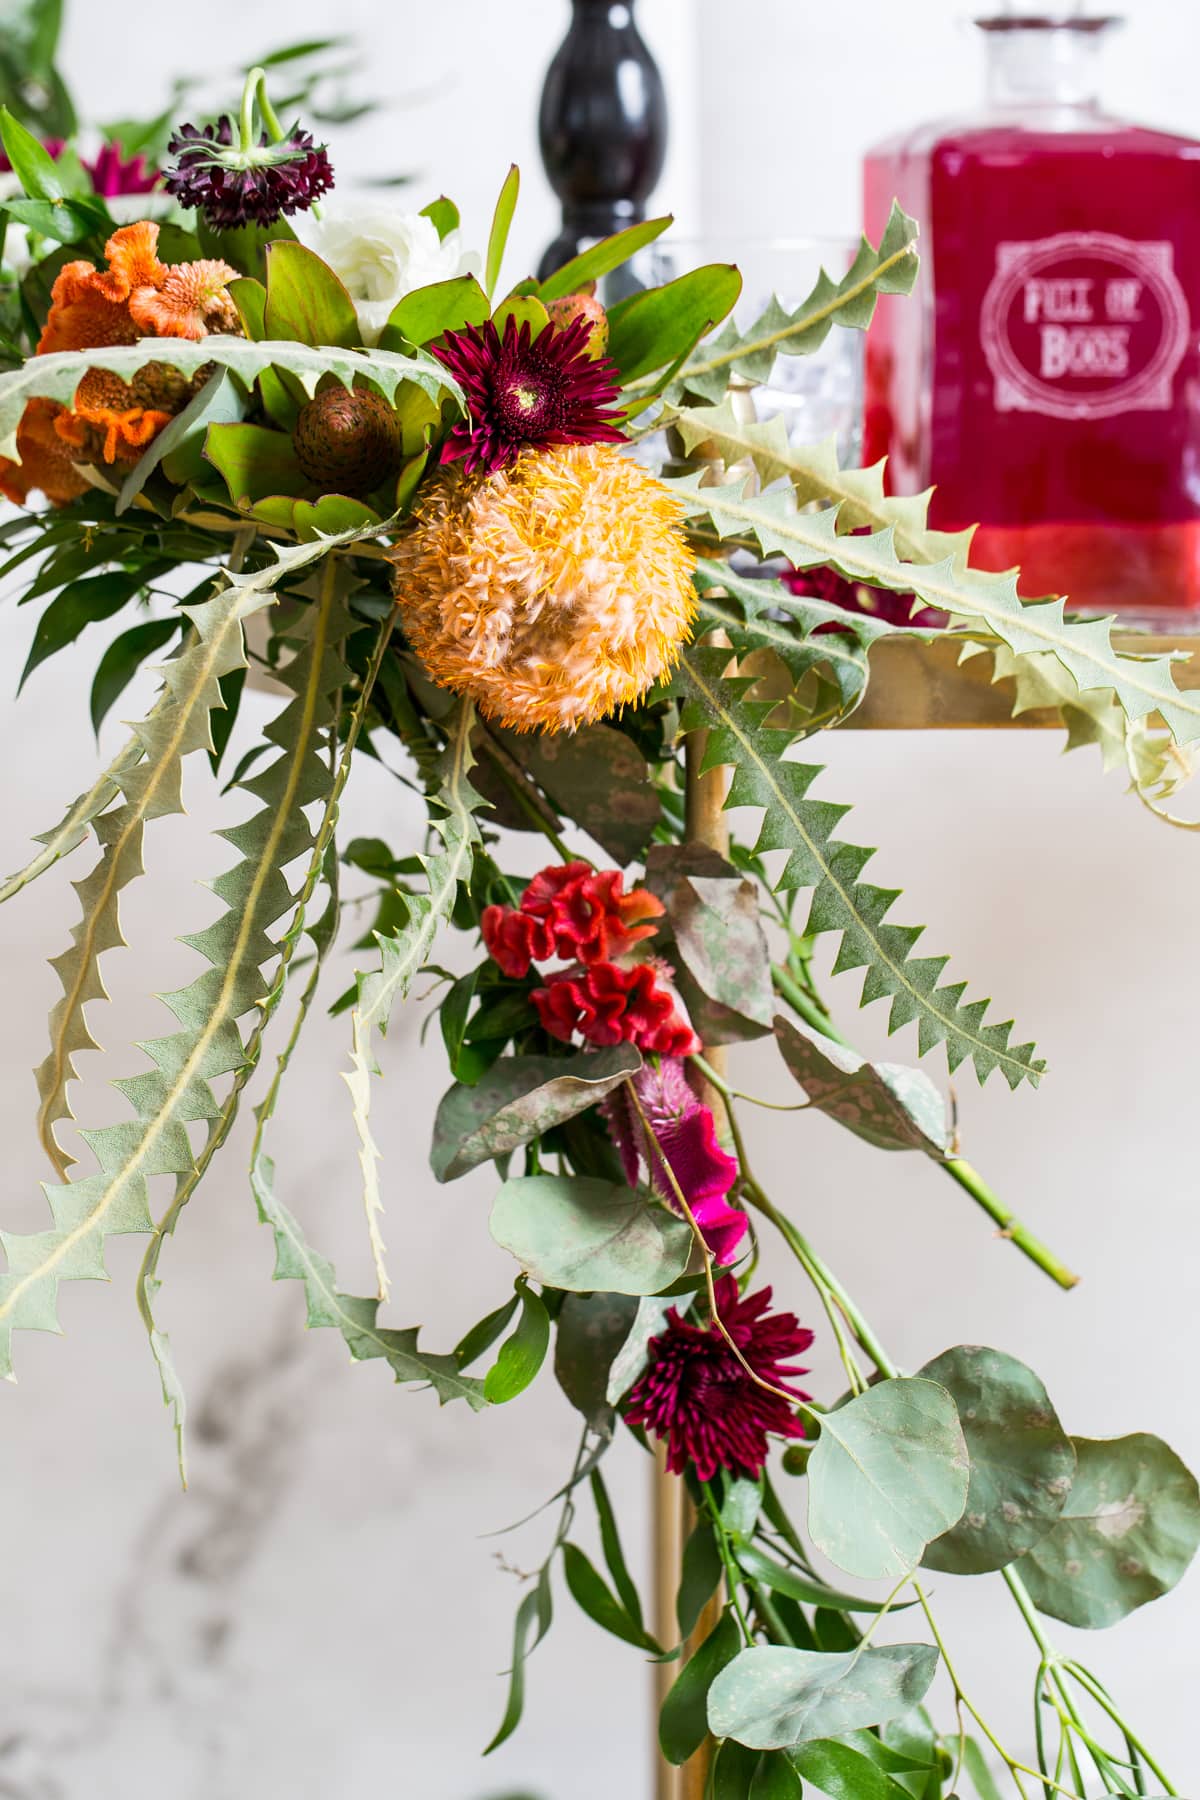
(683, 1138)
(697, 1396)
(608, 1004)
(114, 174)
(572, 911)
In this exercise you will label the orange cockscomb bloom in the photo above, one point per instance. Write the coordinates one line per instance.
(111, 420)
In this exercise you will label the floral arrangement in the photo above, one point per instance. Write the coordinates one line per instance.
(430, 508)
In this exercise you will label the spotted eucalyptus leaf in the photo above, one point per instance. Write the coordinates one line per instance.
(518, 1099)
(714, 940)
(771, 1698)
(1022, 1461)
(1129, 1529)
(586, 1235)
(591, 1330)
(890, 1105)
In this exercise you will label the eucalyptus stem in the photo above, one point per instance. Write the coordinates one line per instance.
(733, 1575)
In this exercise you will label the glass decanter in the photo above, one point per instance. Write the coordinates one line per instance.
(1044, 376)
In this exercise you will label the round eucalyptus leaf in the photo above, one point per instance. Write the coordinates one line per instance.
(1129, 1529)
(771, 1698)
(886, 1476)
(1022, 1461)
(590, 1236)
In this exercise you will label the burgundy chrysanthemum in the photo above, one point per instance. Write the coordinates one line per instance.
(522, 391)
(697, 1396)
(681, 1143)
(252, 186)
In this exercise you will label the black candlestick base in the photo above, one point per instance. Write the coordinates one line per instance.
(602, 127)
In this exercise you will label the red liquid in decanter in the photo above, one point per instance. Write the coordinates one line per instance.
(1045, 375)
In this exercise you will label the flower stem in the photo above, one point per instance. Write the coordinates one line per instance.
(961, 1171)
(269, 117)
(246, 117)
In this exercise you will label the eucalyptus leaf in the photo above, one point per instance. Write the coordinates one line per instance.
(634, 1354)
(591, 1592)
(590, 1330)
(890, 1105)
(599, 777)
(1022, 1461)
(533, 1621)
(773, 1698)
(583, 1234)
(519, 1099)
(1128, 1531)
(887, 1475)
(806, 1589)
(717, 945)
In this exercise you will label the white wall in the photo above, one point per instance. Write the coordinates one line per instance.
(320, 1615)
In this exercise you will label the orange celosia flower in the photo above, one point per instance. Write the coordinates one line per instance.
(111, 420)
(46, 463)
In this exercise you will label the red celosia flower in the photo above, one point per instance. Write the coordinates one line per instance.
(682, 1138)
(572, 911)
(522, 390)
(697, 1396)
(608, 1004)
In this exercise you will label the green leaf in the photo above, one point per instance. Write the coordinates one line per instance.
(255, 462)
(700, 1576)
(844, 1773)
(772, 1698)
(533, 1622)
(892, 269)
(803, 1588)
(1129, 1529)
(502, 218)
(739, 737)
(683, 1720)
(57, 376)
(71, 831)
(891, 1106)
(610, 1539)
(776, 1779)
(591, 1592)
(601, 258)
(522, 1354)
(886, 1476)
(482, 1336)
(62, 221)
(599, 778)
(250, 298)
(427, 312)
(1022, 1461)
(590, 1331)
(519, 1099)
(733, 1771)
(1142, 685)
(175, 1090)
(977, 1769)
(583, 1234)
(32, 165)
(122, 660)
(716, 946)
(82, 603)
(651, 329)
(444, 214)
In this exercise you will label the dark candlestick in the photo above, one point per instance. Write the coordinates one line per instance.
(602, 126)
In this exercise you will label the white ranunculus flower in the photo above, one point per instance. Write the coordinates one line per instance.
(381, 255)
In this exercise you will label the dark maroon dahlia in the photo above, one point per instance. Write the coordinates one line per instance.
(251, 185)
(698, 1397)
(523, 391)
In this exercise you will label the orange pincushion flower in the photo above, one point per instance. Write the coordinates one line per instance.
(112, 420)
(552, 592)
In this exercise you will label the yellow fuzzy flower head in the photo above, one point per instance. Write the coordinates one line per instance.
(552, 592)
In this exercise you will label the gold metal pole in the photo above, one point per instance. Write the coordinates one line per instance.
(674, 1516)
